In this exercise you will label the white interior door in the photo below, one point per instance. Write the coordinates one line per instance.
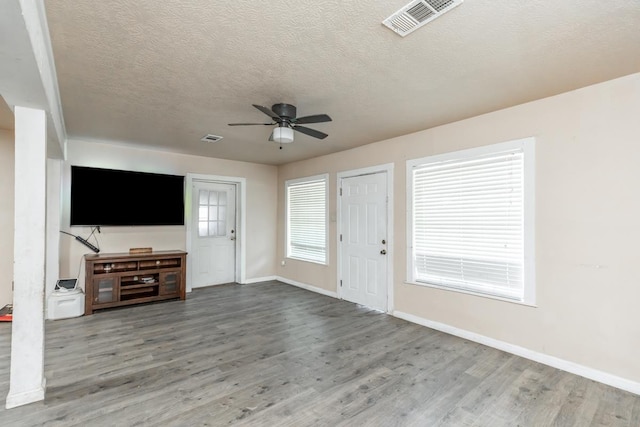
(363, 225)
(214, 234)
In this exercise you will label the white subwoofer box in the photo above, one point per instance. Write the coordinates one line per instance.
(65, 304)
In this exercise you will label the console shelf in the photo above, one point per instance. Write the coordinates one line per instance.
(114, 280)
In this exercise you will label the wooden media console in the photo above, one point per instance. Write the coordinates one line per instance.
(114, 280)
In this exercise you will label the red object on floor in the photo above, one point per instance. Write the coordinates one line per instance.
(6, 313)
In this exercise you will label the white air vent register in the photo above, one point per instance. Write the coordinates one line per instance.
(210, 138)
(418, 13)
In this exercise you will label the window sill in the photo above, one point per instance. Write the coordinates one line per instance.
(467, 292)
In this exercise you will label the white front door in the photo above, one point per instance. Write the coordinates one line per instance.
(363, 228)
(214, 233)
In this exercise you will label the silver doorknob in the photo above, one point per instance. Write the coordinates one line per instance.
(383, 252)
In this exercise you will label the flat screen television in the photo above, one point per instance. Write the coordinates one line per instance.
(122, 198)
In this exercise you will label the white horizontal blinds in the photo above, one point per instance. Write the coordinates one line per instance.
(468, 224)
(307, 220)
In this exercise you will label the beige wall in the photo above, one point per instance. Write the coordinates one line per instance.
(587, 225)
(7, 163)
(260, 217)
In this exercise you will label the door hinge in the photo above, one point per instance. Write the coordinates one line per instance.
(341, 191)
(341, 237)
(340, 282)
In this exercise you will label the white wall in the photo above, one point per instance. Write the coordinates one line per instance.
(261, 204)
(587, 226)
(7, 167)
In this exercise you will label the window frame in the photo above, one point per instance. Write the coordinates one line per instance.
(527, 146)
(287, 249)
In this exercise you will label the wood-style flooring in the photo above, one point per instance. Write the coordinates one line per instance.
(271, 354)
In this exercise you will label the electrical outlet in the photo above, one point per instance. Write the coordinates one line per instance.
(283, 263)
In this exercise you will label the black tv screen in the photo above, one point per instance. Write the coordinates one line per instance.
(116, 197)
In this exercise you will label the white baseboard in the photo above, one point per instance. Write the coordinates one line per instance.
(259, 279)
(23, 398)
(545, 359)
(307, 287)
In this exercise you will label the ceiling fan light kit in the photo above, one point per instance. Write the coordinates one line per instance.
(283, 135)
(284, 115)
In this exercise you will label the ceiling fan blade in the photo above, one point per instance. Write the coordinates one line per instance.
(317, 118)
(311, 132)
(251, 124)
(266, 111)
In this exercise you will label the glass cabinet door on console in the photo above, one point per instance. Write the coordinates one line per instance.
(105, 290)
(170, 283)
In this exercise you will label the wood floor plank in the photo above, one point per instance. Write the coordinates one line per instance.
(613, 408)
(634, 419)
(271, 354)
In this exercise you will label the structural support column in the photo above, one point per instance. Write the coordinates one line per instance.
(27, 382)
(54, 191)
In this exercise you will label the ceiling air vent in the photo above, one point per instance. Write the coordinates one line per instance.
(210, 138)
(418, 13)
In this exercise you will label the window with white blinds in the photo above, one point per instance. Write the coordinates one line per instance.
(471, 220)
(307, 218)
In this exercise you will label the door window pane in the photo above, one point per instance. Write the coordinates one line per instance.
(203, 197)
(202, 214)
(212, 213)
(203, 229)
(213, 228)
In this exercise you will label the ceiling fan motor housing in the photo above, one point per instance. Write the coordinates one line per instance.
(284, 110)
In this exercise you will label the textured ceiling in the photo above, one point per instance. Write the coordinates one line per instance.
(163, 74)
